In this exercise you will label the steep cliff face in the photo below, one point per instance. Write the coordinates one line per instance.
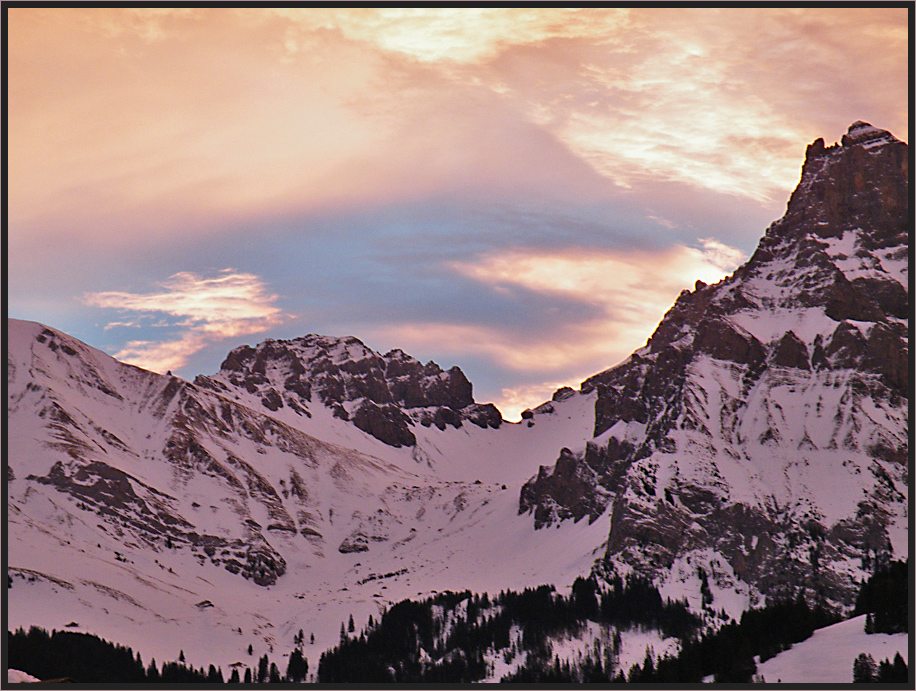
(383, 395)
(765, 421)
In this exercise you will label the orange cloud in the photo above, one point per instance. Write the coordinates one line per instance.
(636, 286)
(231, 305)
(162, 356)
(512, 401)
(460, 35)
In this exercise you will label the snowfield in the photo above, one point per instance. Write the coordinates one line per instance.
(440, 516)
(15, 676)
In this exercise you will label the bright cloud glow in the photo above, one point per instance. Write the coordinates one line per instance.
(633, 288)
(213, 309)
(632, 284)
(721, 256)
(162, 356)
(460, 35)
(512, 401)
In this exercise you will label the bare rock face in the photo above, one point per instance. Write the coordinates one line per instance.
(856, 184)
(747, 404)
(383, 395)
(385, 423)
(724, 340)
(578, 486)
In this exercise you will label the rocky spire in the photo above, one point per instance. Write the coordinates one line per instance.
(863, 182)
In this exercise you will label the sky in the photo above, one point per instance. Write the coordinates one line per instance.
(519, 192)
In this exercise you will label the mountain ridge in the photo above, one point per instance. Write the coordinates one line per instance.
(381, 394)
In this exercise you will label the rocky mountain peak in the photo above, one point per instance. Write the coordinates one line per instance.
(861, 183)
(722, 431)
(383, 395)
(860, 131)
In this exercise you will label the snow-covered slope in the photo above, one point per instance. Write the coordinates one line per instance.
(827, 657)
(15, 676)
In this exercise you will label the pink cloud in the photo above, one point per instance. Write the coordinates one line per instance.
(228, 306)
(633, 288)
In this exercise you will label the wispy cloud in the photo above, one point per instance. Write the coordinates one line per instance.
(458, 35)
(211, 309)
(634, 288)
(162, 356)
(632, 284)
(627, 292)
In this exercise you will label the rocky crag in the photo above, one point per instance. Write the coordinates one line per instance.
(383, 395)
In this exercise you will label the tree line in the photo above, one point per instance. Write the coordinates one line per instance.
(87, 659)
(884, 597)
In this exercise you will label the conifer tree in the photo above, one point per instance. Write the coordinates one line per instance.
(298, 666)
(214, 677)
(863, 669)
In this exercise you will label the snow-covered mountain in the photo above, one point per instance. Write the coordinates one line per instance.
(145, 508)
(762, 430)
(383, 396)
(756, 444)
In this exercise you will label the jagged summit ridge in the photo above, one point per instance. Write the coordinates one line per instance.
(860, 132)
(851, 185)
(774, 399)
(383, 395)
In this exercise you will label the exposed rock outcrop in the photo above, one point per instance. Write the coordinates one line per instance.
(383, 395)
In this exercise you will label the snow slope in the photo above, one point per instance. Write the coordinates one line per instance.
(827, 657)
